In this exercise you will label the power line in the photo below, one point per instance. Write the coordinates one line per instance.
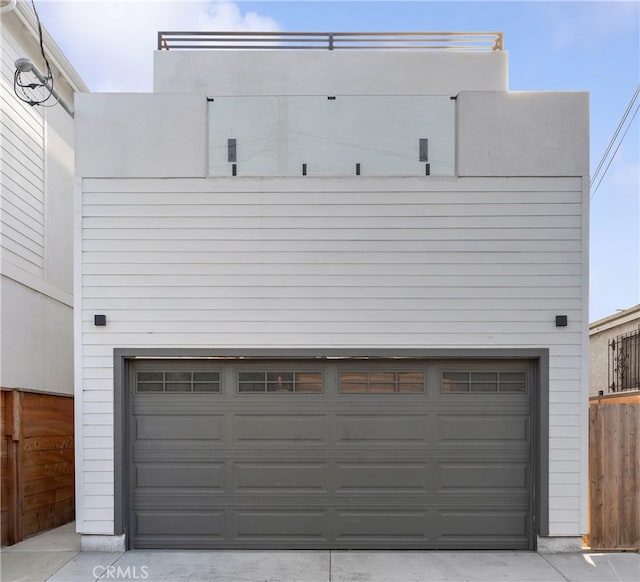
(615, 135)
(613, 140)
(25, 90)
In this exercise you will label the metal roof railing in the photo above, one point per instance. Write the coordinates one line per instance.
(466, 41)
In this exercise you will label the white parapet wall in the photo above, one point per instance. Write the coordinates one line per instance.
(304, 72)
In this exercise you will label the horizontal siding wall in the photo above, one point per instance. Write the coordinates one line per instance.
(352, 263)
(22, 170)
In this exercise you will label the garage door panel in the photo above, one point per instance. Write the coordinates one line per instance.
(475, 429)
(177, 452)
(466, 523)
(258, 429)
(380, 476)
(330, 470)
(182, 476)
(179, 427)
(270, 477)
(277, 524)
(372, 525)
(380, 428)
(474, 475)
(202, 522)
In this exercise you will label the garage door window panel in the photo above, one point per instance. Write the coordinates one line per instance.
(379, 382)
(468, 381)
(182, 381)
(280, 382)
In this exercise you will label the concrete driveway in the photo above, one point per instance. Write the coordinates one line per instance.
(56, 557)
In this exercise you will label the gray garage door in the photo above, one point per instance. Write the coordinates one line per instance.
(331, 454)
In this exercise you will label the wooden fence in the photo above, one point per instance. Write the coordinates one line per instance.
(614, 475)
(37, 490)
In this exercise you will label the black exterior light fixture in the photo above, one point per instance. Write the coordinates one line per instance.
(561, 321)
(100, 320)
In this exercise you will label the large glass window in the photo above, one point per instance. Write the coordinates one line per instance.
(331, 135)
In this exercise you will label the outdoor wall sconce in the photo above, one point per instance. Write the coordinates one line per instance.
(100, 320)
(561, 321)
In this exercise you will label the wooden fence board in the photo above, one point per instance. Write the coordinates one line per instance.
(4, 472)
(614, 473)
(38, 439)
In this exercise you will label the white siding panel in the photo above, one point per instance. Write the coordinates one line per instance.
(102, 515)
(329, 190)
(95, 489)
(564, 516)
(92, 442)
(563, 503)
(564, 478)
(25, 219)
(206, 225)
(96, 526)
(564, 528)
(97, 431)
(99, 467)
(98, 454)
(193, 247)
(307, 338)
(181, 273)
(563, 408)
(561, 432)
(571, 454)
(563, 419)
(94, 261)
(94, 407)
(98, 477)
(395, 234)
(100, 501)
(562, 445)
(22, 134)
(97, 419)
(153, 312)
(249, 263)
(565, 490)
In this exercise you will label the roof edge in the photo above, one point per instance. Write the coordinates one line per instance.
(625, 316)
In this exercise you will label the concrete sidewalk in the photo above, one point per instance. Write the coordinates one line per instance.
(55, 556)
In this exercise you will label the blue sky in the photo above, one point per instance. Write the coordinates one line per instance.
(552, 46)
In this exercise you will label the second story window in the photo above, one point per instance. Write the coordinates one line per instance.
(332, 135)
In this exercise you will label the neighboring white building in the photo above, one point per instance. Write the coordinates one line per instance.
(36, 285)
(331, 299)
(614, 353)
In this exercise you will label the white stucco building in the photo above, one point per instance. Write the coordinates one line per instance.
(331, 299)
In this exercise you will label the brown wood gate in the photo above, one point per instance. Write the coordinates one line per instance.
(37, 489)
(614, 474)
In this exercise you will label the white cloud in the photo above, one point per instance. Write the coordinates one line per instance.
(111, 42)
